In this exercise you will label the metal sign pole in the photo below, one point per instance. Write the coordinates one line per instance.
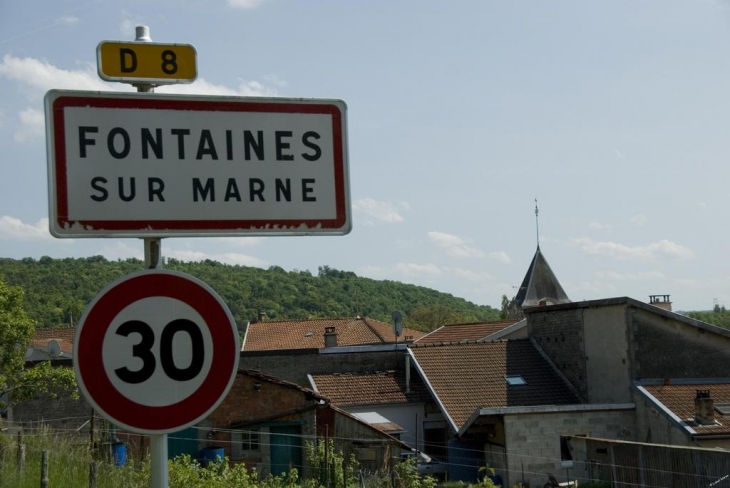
(153, 260)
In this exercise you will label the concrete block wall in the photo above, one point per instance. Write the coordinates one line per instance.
(560, 334)
(533, 440)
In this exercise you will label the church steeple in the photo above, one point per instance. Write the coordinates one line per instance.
(540, 284)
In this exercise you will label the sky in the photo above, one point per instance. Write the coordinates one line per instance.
(613, 115)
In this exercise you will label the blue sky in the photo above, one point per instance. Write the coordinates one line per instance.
(613, 114)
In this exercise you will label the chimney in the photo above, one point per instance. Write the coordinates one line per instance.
(661, 301)
(330, 337)
(261, 316)
(704, 408)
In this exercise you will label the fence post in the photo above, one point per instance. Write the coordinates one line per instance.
(92, 474)
(21, 452)
(44, 469)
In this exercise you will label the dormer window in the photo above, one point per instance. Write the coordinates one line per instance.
(515, 380)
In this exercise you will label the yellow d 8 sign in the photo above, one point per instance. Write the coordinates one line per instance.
(146, 62)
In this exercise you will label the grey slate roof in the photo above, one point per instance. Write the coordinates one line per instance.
(539, 284)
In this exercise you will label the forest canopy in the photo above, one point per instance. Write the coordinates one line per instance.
(58, 290)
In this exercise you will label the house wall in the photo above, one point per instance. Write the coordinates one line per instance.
(245, 403)
(294, 366)
(669, 348)
(533, 440)
(654, 426)
(606, 354)
(560, 334)
(408, 416)
(372, 451)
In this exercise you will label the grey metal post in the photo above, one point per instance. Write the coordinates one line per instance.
(153, 260)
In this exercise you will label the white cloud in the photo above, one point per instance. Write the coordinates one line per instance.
(39, 77)
(423, 271)
(68, 20)
(470, 275)
(127, 28)
(244, 4)
(203, 87)
(413, 269)
(454, 246)
(238, 241)
(229, 257)
(639, 220)
(501, 256)
(32, 126)
(701, 205)
(656, 250)
(600, 288)
(275, 80)
(123, 249)
(14, 229)
(382, 211)
(614, 276)
(598, 225)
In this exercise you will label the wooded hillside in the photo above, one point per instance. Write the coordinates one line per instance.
(57, 291)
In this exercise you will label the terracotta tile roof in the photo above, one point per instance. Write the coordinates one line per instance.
(468, 376)
(466, 332)
(58, 333)
(680, 399)
(304, 334)
(386, 387)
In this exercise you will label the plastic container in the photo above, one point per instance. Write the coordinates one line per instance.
(212, 454)
(119, 454)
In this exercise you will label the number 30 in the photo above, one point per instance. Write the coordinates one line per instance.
(143, 350)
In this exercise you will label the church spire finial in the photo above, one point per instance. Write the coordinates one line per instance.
(537, 224)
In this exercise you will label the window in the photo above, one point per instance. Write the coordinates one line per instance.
(245, 444)
(515, 380)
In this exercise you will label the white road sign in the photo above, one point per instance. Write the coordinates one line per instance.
(135, 165)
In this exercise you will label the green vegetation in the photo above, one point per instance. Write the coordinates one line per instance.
(718, 316)
(70, 459)
(58, 290)
(16, 330)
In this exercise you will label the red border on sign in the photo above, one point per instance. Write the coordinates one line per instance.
(59, 128)
(90, 339)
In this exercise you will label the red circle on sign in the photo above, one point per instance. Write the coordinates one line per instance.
(89, 339)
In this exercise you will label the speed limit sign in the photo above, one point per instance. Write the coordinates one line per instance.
(156, 351)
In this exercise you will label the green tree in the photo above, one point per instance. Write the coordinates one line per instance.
(504, 312)
(431, 317)
(16, 331)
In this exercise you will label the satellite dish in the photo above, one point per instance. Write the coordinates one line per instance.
(54, 348)
(397, 323)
